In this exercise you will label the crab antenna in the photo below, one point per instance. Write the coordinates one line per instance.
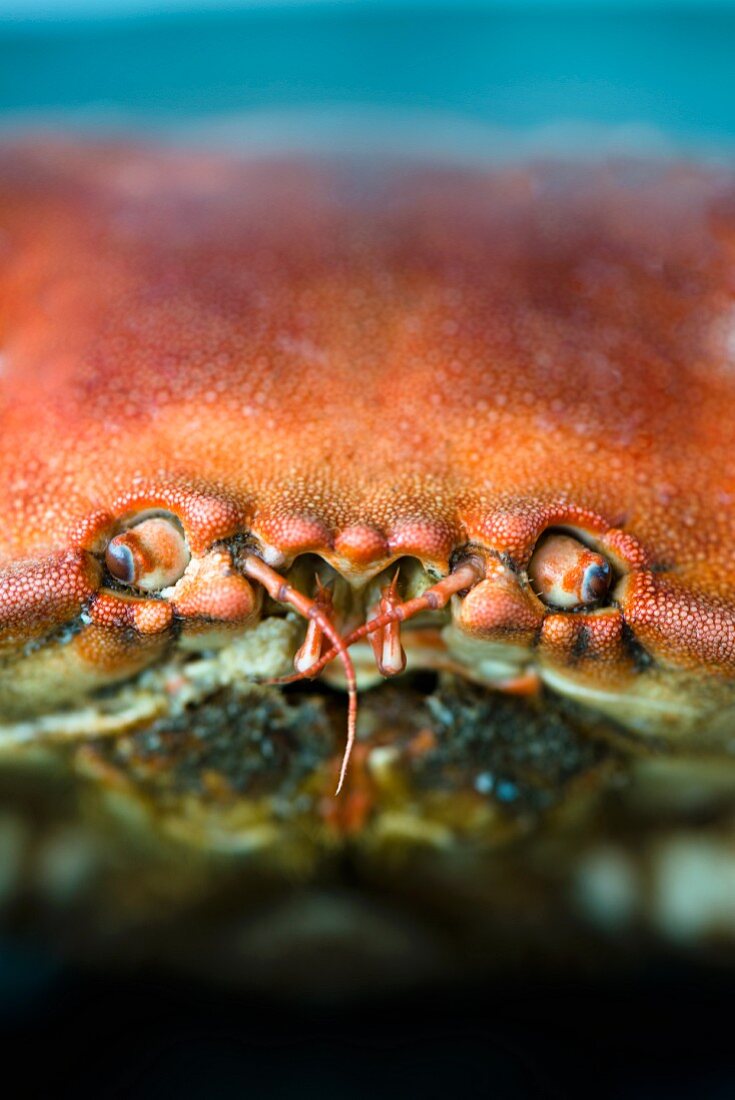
(389, 654)
(280, 590)
(433, 599)
(311, 650)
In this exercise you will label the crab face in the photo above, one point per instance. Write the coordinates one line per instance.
(469, 420)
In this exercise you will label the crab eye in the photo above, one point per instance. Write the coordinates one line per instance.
(151, 555)
(567, 574)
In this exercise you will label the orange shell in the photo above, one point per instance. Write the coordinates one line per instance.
(370, 362)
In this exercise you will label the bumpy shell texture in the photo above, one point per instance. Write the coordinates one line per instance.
(369, 364)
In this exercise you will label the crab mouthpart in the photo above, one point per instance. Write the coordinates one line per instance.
(383, 628)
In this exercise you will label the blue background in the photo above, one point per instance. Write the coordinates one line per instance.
(645, 67)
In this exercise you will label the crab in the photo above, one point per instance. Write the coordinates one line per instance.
(457, 439)
(313, 417)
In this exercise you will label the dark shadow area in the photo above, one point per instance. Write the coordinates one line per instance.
(666, 1035)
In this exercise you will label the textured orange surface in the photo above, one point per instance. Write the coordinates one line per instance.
(369, 362)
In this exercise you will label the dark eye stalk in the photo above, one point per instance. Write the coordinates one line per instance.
(567, 575)
(151, 555)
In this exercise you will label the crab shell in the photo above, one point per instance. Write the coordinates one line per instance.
(370, 365)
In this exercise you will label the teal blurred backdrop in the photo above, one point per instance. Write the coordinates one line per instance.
(642, 67)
